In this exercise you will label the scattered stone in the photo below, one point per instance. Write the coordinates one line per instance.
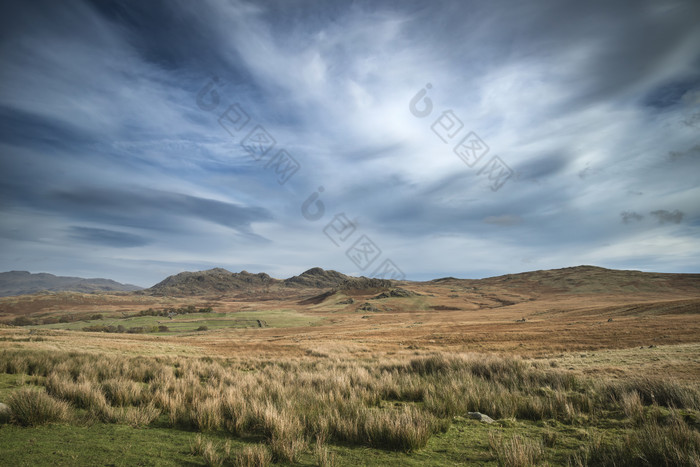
(5, 413)
(480, 416)
(610, 320)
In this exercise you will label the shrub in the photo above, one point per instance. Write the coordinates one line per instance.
(22, 321)
(31, 407)
(202, 328)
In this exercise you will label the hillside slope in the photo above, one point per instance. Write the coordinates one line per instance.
(586, 280)
(24, 282)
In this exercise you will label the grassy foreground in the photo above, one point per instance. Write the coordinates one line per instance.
(73, 408)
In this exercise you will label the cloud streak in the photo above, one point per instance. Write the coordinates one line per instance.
(106, 158)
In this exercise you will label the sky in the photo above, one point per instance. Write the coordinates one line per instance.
(396, 139)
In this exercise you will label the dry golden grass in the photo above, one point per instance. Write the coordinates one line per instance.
(516, 451)
(390, 379)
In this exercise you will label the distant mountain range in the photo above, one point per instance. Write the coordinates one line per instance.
(219, 281)
(23, 283)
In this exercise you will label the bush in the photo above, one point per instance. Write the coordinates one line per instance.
(31, 408)
(202, 328)
(22, 321)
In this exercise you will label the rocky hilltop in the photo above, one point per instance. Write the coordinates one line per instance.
(317, 278)
(217, 280)
(24, 283)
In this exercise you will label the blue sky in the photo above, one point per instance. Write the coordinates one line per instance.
(121, 154)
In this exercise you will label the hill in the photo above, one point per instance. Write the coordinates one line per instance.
(217, 280)
(317, 278)
(595, 280)
(24, 282)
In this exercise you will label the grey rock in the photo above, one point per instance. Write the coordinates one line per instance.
(480, 416)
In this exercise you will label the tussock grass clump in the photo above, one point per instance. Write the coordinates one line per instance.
(32, 407)
(206, 414)
(651, 445)
(197, 445)
(324, 458)
(138, 416)
(405, 430)
(661, 391)
(211, 456)
(122, 392)
(632, 406)
(83, 394)
(234, 413)
(252, 456)
(516, 451)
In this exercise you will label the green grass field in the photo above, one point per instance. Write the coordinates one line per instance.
(275, 318)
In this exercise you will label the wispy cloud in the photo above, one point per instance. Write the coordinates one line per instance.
(591, 104)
